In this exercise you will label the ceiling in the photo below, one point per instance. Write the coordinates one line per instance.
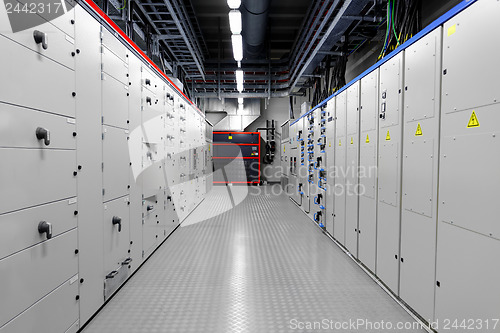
(284, 22)
(299, 41)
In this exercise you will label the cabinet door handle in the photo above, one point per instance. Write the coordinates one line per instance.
(45, 228)
(117, 220)
(43, 134)
(148, 100)
(150, 207)
(112, 275)
(41, 38)
(148, 82)
(127, 261)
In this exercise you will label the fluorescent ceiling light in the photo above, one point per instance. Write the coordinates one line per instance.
(240, 108)
(237, 47)
(240, 100)
(234, 4)
(239, 86)
(235, 22)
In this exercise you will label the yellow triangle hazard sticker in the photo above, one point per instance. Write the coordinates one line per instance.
(352, 141)
(419, 130)
(388, 136)
(340, 142)
(367, 139)
(473, 122)
(230, 137)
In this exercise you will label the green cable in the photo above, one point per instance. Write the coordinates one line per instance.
(124, 5)
(393, 25)
(386, 30)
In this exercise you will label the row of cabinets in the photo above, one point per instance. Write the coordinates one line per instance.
(103, 160)
(401, 144)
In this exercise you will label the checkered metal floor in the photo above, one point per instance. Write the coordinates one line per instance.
(260, 266)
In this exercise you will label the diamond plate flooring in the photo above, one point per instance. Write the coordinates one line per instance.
(260, 266)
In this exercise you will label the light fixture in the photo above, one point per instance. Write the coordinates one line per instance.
(234, 4)
(237, 41)
(239, 80)
(240, 100)
(240, 108)
(235, 21)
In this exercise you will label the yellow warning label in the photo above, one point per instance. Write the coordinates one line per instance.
(367, 139)
(330, 144)
(473, 122)
(230, 137)
(452, 30)
(340, 142)
(419, 130)
(352, 141)
(388, 136)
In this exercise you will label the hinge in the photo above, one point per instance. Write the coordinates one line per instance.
(143, 254)
(102, 120)
(103, 191)
(102, 166)
(103, 136)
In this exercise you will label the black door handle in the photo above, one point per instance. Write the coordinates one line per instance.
(127, 261)
(112, 275)
(45, 227)
(43, 134)
(148, 82)
(148, 100)
(117, 220)
(150, 207)
(41, 38)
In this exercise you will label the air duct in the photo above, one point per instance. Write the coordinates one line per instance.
(255, 14)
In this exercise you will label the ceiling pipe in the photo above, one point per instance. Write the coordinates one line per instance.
(255, 14)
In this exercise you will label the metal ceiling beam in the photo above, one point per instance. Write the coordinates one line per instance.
(195, 55)
(305, 54)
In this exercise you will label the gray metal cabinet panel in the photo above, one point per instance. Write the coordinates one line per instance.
(462, 151)
(367, 244)
(19, 125)
(368, 170)
(114, 66)
(465, 143)
(29, 275)
(330, 164)
(116, 237)
(116, 161)
(468, 277)
(111, 41)
(420, 173)
(352, 162)
(22, 226)
(135, 149)
(340, 168)
(115, 102)
(89, 144)
(60, 44)
(150, 228)
(463, 33)
(152, 108)
(47, 174)
(49, 86)
(389, 171)
(154, 87)
(56, 312)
